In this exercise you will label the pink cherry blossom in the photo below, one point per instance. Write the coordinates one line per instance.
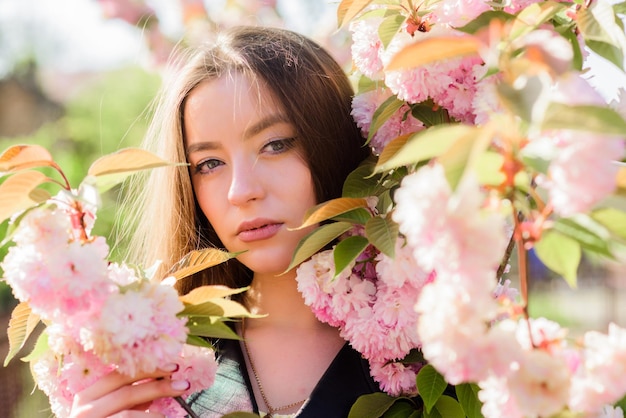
(61, 377)
(541, 384)
(401, 269)
(396, 379)
(198, 366)
(401, 123)
(497, 400)
(138, 329)
(448, 231)
(599, 380)
(366, 46)
(74, 272)
(457, 13)
(315, 282)
(582, 171)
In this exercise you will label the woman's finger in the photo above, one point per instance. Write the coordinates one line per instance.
(129, 396)
(115, 380)
(136, 414)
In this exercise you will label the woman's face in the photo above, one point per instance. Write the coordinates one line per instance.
(249, 177)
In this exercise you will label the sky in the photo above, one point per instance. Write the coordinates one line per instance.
(73, 36)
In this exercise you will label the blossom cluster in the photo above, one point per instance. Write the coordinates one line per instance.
(524, 367)
(100, 316)
(371, 302)
(443, 290)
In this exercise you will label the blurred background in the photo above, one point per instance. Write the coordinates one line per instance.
(78, 77)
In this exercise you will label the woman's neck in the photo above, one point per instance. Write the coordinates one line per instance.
(278, 298)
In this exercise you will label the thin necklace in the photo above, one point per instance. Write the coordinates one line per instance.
(270, 410)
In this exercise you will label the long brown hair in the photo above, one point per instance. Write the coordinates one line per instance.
(315, 94)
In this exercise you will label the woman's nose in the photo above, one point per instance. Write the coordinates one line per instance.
(246, 184)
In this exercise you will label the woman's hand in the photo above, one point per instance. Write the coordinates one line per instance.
(118, 395)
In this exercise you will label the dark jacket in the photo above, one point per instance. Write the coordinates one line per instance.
(344, 381)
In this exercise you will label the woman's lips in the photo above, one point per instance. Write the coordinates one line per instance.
(258, 231)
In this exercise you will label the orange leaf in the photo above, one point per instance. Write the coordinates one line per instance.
(197, 260)
(126, 160)
(332, 208)
(21, 325)
(349, 9)
(205, 293)
(392, 148)
(16, 193)
(433, 50)
(20, 157)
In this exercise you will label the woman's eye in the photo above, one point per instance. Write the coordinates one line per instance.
(278, 146)
(207, 166)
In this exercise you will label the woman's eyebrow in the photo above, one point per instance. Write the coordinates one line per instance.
(263, 124)
(202, 146)
(251, 131)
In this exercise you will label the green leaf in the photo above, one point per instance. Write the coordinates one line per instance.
(22, 323)
(431, 385)
(383, 234)
(427, 144)
(198, 342)
(608, 51)
(613, 219)
(347, 251)
(199, 328)
(240, 415)
(586, 118)
(528, 100)
(533, 16)
(467, 394)
(356, 216)
(386, 110)
(484, 20)
(620, 8)
(414, 356)
(622, 402)
(402, 409)
(316, 240)
(591, 235)
(488, 169)
(560, 254)
(434, 413)
(361, 183)
(568, 33)
(430, 114)
(373, 405)
(464, 154)
(389, 27)
(449, 407)
(601, 33)
(41, 346)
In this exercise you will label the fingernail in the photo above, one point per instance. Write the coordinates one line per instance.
(180, 384)
(170, 367)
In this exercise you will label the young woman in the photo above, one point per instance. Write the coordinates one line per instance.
(262, 117)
